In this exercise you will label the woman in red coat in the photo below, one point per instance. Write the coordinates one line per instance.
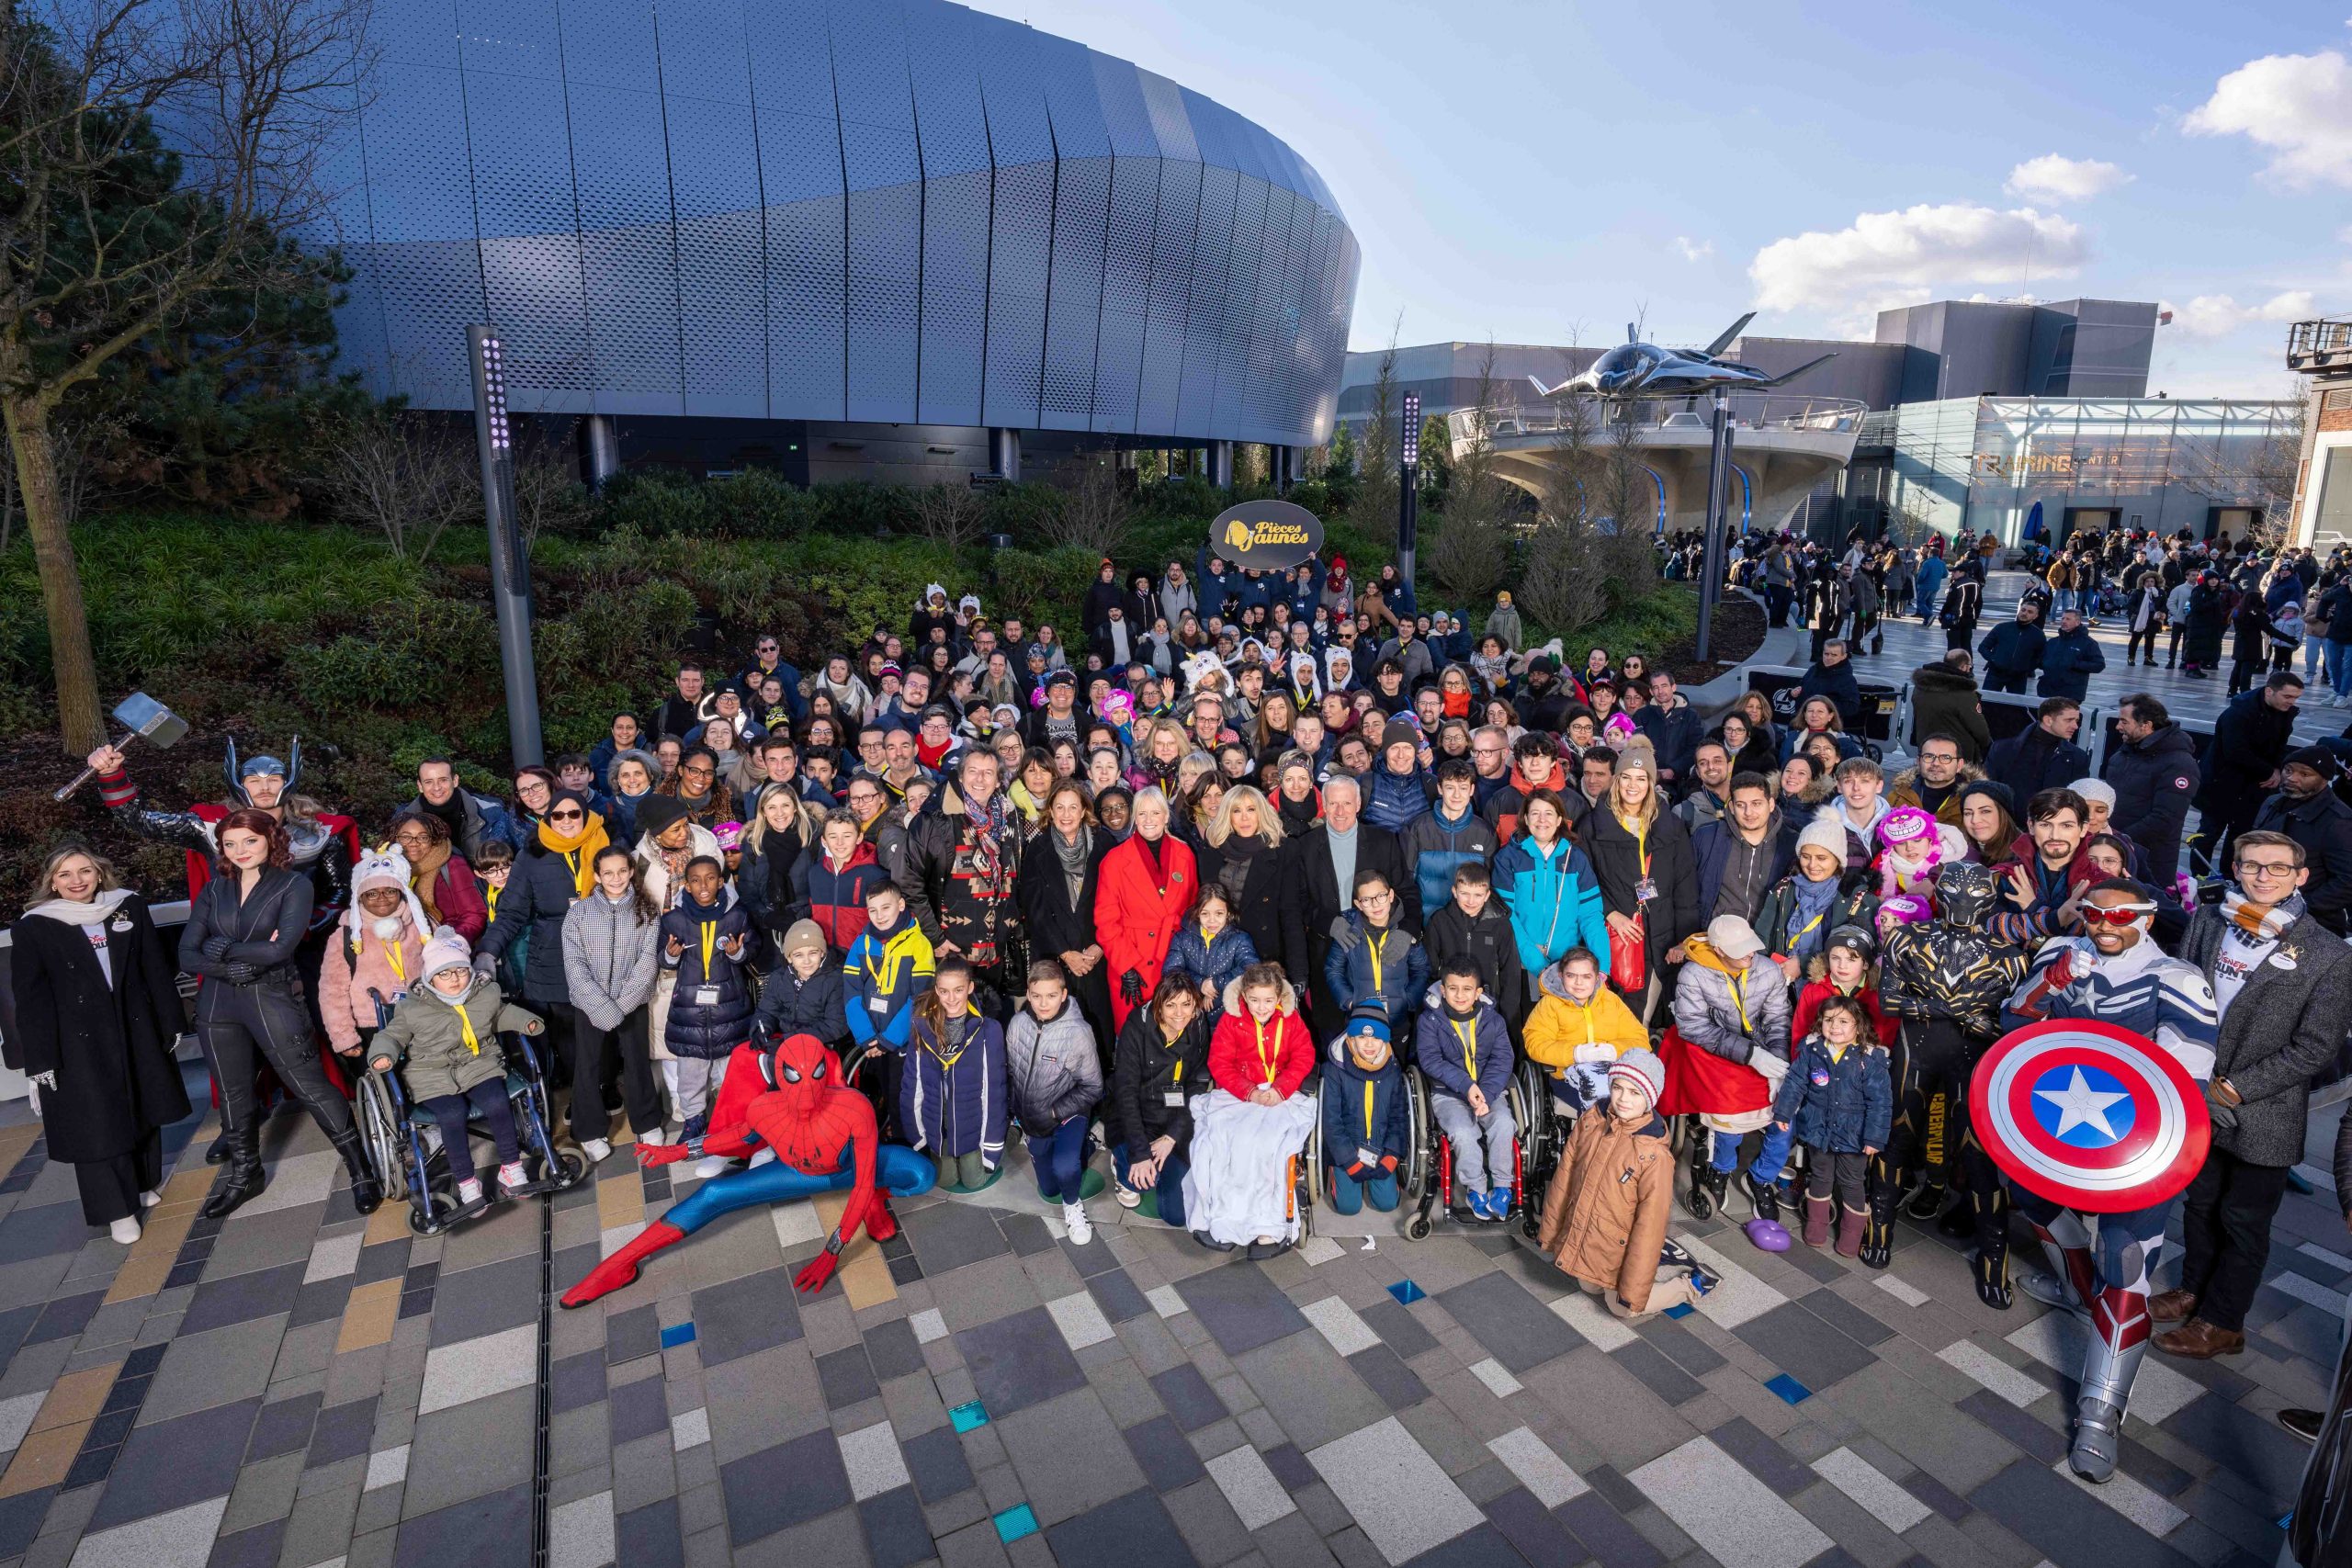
(1146, 887)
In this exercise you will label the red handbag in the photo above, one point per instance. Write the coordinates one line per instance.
(1629, 967)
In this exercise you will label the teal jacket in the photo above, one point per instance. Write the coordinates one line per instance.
(1554, 902)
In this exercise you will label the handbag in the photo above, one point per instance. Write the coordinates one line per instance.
(1629, 955)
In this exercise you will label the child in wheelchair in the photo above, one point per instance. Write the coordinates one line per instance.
(442, 1041)
(1579, 1028)
(1461, 1045)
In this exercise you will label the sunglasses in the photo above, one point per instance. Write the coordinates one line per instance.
(2117, 915)
(566, 816)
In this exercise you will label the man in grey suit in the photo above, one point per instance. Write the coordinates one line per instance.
(2283, 983)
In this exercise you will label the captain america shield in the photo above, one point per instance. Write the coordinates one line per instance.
(2089, 1115)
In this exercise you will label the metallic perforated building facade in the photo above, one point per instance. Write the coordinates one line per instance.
(861, 210)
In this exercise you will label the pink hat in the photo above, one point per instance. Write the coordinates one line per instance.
(729, 836)
(447, 950)
(1904, 909)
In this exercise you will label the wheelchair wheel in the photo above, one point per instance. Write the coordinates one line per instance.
(431, 1214)
(380, 1133)
(1419, 1165)
(566, 1170)
(1417, 1226)
(1312, 1177)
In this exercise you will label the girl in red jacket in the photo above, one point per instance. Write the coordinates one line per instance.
(1251, 1126)
(1260, 1051)
(1851, 972)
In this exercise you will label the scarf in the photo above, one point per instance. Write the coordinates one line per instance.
(1233, 873)
(96, 912)
(1297, 815)
(1075, 855)
(1808, 917)
(1154, 854)
(425, 873)
(583, 844)
(2260, 925)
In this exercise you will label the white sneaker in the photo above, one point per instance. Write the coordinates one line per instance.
(712, 1165)
(653, 1137)
(149, 1200)
(125, 1230)
(510, 1177)
(1128, 1196)
(596, 1149)
(1080, 1228)
(470, 1192)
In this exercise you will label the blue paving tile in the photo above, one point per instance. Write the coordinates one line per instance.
(968, 1415)
(1407, 1293)
(681, 1334)
(1788, 1388)
(1016, 1523)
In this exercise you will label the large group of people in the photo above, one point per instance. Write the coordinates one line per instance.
(1195, 888)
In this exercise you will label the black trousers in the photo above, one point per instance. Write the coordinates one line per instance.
(2172, 642)
(2225, 1223)
(601, 1056)
(2243, 673)
(1931, 1059)
(110, 1187)
(241, 1028)
(2005, 681)
(2143, 642)
(1959, 635)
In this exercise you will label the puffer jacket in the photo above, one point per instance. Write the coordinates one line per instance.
(1215, 962)
(880, 977)
(355, 964)
(610, 957)
(1604, 1218)
(1839, 1103)
(1562, 1034)
(1147, 1066)
(425, 1038)
(1486, 942)
(1734, 1015)
(1441, 1053)
(2068, 661)
(540, 892)
(1364, 1110)
(707, 1030)
(790, 1005)
(1436, 846)
(1239, 1058)
(1394, 799)
(1554, 902)
(2154, 780)
(1854, 904)
(1053, 1070)
(837, 893)
(1944, 700)
(1403, 970)
(952, 1099)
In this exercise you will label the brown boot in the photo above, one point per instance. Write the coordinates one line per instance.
(1850, 1225)
(2172, 1306)
(1818, 1214)
(2198, 1340)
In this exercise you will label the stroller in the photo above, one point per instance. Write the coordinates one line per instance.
(404, 1140)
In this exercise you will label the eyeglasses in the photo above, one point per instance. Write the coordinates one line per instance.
(2116, 914)
(1939, 756)
(697, 770)
(2266, 868)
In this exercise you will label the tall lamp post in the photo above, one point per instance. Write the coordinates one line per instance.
(510, 571)
(1711, 570)
(1408, 487)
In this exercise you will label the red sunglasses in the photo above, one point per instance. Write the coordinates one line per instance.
(2115, 915)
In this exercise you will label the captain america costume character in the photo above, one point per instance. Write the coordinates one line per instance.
(2101, 1264)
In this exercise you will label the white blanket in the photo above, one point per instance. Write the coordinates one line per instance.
(1239, 1188)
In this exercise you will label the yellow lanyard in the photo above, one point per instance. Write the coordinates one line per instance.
(393, 956)
(1836, 1052)
(941, 1050)
(1739, 996)
(493, 893)
(709, 936)
(1367, 1107)
(1468, 1036)
(1372, 943)
(1264, 1060)
(1641, 841)
(465, 1026)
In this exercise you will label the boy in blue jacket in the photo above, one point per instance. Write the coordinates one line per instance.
(1367, 1119)
(889, 966)
(1378, 960)
(1838, 1102)
(1463, 1048)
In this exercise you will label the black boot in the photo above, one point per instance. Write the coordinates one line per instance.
(1878, 1228)
(1764, 1197)
(1926, 1202)
(241, 1177)
(366, 1192)
(1991, 1260)
(1701, 1201)
(217, 1150)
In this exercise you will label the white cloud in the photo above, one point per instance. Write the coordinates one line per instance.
(2218, 315)
(1692, 250)
(2052, 177)
(1890, 258)
(2298, 106)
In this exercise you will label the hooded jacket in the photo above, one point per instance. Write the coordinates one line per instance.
(1244, 1058)
(1605, 1214)
(1563, 1032)
(880, 979)
(1554, 901)
(1838, 1102)
(1363, 1108)
(1053, 1070)
(1393, 800)
(610, 957)
(1735, 1014)
(789, 1005)
(1146, 1067)
(2069, 660)
(1388, 966)
(1854, 904)
(952, 1099)
(837, 894)
(1490, 942)
(1459, 1052)
(2155, 779)
(425, 1038)
(1713, 847)
(1215, 962)
(1943, 700)
(1675, 731)
(710, 1011)
(1436, 846)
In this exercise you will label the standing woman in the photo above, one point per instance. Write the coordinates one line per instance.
(1649, 883)
(1241, 851)
(440, 878)
(1146, 884)
(610, 959)
(241, 936)
(96, 1013)
(1055, 889)
(556, 869)
(780, 849)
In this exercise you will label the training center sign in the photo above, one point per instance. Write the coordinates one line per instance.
(1266, 535)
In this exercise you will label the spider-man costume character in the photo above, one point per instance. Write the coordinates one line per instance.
(795, 1100)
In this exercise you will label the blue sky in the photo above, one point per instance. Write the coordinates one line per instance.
(1542, 173)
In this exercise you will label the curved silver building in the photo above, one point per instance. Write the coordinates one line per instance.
(847, 213)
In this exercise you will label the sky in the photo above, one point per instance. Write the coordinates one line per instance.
(1533, 171)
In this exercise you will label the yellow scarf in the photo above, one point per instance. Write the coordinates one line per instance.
(580, 849)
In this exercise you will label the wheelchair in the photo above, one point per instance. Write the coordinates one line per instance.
(394, 1131)
(1430, 1189)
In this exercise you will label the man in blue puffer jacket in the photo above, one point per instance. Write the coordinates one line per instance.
(1399, 790)
(1439, 841)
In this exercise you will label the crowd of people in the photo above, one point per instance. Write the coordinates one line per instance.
(1198, 887)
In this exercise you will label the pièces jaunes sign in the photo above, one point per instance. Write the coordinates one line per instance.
(1266, 535)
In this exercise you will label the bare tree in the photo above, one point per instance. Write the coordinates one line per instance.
(1565, 585)
(1472, 551)
(1090, 511)
(107, 235)
(548, 488)
(950, 515)
(408, 476)
(1376, 500)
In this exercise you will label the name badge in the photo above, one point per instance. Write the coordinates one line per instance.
(878, 1004)
(706, 995)
(1174, 1097)
(2281, 961)
(1645, 890)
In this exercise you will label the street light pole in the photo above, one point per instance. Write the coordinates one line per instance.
(1408, 488)
(510, 571)
(1711, 570)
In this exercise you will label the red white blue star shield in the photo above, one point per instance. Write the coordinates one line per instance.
(2089, 1115)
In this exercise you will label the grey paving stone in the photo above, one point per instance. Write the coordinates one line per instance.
(1845, 1317)
(891, 1347)
(1396, 1325)
(255, 1546)
(282, 1428)
(42, 1232)
(575, 1381)
(385, 1261)
(1603, 1533)
(2038, 1439)
(783, 1486)
(1681, 1346)
(1136, 1530)
(1532, 1532)
(495, 1527)
(1019, 1361)
(1027, 1233)
(173, 1463)
(2035, 1502)
(896, 1533)
(1657, 1374)
(1315, 1395)
(64, 1317)
(1167, 1461)
(495, 1296)
(1385, 1373)
(264, 1293)
(1241, 1307)
(948, 1235)
(340, 1432)
(1936, 1494)
(936, 1462)
(649, 1537)
(1484, 1547)
(1118, 1295)
(1763, 1456)
(743, 1316)
(1804, 1346)
(2251, 1444)
(1291, 1467)
(633, 1333)
(1516, 1329)
(846, 1376)
(483, 1445)
(1191, 1402)
(20, 1520)
(1068, 1456)
(638, 1409)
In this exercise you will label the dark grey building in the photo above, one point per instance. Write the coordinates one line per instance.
(838, 236)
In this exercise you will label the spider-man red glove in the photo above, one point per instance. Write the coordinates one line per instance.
(821, 1268)
(663, 1154)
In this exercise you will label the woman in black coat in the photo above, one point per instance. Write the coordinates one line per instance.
(1241, 851)
(1055, 888)
(1623, 858)
(96, 1013)
(550, 872)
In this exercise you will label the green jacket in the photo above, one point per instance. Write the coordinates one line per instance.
(425, 1038)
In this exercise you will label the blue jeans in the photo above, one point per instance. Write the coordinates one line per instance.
(1771, 1160)
(2339, 668)
(1169, 1184)
(1060, 1161)
(1348, 1196)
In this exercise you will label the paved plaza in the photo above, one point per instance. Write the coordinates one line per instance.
(299, 1386)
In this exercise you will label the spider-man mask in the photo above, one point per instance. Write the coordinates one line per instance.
(804, 1069)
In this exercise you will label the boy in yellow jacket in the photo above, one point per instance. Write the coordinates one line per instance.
(1579, 1028)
